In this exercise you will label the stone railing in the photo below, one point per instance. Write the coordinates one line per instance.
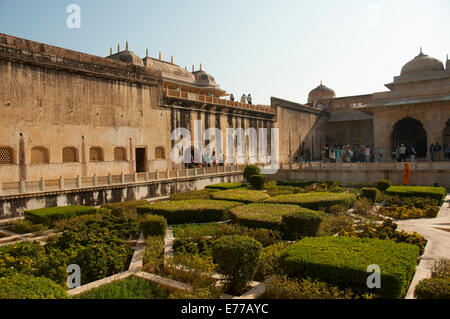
(427, 165)
(63, 183)
(213, 100)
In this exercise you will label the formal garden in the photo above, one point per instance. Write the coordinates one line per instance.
(261, 239)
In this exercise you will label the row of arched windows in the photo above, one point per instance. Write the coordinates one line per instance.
(40, 155)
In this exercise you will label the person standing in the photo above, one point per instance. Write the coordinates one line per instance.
(307, 155)
(437, 152)
(243, 99)
(249, 99)
(367, 153)
(232, 97)
(402, 151)
(432, 152)
(413, 154)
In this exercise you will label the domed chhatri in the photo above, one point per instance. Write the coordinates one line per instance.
(204, 79)
(422, 63)
(320, 93)
(127, 57)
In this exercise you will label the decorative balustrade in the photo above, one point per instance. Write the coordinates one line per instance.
(213, 100)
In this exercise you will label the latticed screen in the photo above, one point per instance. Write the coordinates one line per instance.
(70, 155)
(6, 155)
(96, 154)
(120, 154)
(39, 155)
(159, 152)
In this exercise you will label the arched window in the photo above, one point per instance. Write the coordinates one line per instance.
(39, 155)
(120, 154)
(70, 154)
(6, 155)
(160, 153)
(96, 154)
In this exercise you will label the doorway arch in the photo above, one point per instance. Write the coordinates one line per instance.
(410, 131)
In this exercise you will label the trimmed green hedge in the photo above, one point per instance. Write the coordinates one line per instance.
(30, 287)
(251, 170)
(225, 186)
(315, 201)
(295, 183)
(372, 194)
(127, 206)
(153, 225)
(241, 195)
(257, 181)
(343, 261)
(48, 215)
(433, 288)
(190, 211)
(194, 194)
(438, 193)
(383, 184)
(270, 216)
(300, 224)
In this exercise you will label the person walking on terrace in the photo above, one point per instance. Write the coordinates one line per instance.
(249, 99)
(232, 98)
(402, 151)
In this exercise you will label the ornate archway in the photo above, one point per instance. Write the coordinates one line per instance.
(410, 132)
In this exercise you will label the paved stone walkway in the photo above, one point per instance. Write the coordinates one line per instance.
(437, 232)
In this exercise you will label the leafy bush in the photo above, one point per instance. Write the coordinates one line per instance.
(21, 286)
(225, 186)
(383, 184)
(441, 268)
(372, 194)
(251, 170)
(343, 261)
(404, 212)
(129, 288)
(127, 206)
(190, 211)
(153, 260)
(26, 226)
(388, 230)
(194, 194)
(264, 215)
(269, 262)
(280, 287)
(295, 183)
(48, 215)
(433, 288)
(438, 193)
(154, 225)
(283, 190)
(315, 201)
(257, 181)
(237, 259)
(418, 202)
(300, 224)
(241, 195)
(362, 206)
(337, 210)
(332, 224)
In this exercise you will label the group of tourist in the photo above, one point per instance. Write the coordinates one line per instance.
(435, 151)
(246, 99)
(303, 155)
(402, 152)
(208, 161)
(346, 154)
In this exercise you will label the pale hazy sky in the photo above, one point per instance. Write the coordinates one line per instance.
(279, 48)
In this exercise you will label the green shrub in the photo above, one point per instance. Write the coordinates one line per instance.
(295, 183)
(281, 287)
(438, 193)
(49, 215)
(332, 224)
(194, 194)
(237, 259)
(26, 226)
(418, 202)
(264, 215)
(383, 184)
(441, 268)
(129, 288)
(241, 195)
(269, 262)
(30, 287)
(436, 184)
(190, 211)
(257, 181)
(315, 201)
(283, 190)
(300, 224)
(153, 260)
(127, 206)
(251, 170)
(343, 261)
(363, 206)
(372, 194)
(154, 225)
(433, 288)
(225, 186)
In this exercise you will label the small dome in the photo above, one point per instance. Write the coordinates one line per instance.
(127, 57)
(422, 63)
(320, 93)
(169, 70)
(204, 79)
